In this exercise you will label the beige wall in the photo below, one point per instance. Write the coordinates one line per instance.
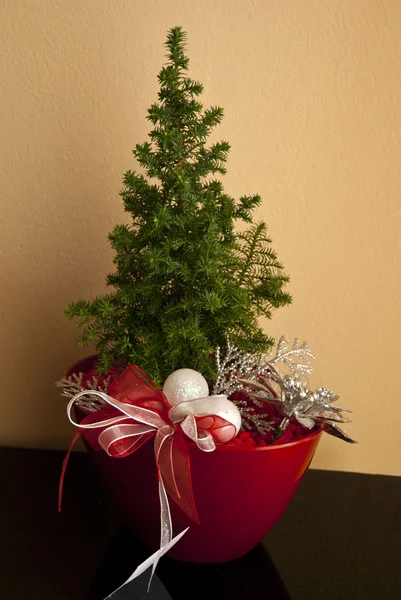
(312, 97)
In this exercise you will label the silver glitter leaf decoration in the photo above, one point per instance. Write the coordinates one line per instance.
(309, 407)
(262, 380)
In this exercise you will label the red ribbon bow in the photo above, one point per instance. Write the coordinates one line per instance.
(135, 411)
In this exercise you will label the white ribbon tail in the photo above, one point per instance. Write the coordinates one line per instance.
(166, 526)
(154, 559)
(145, 422)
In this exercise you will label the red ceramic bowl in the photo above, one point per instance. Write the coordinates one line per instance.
(240, 493)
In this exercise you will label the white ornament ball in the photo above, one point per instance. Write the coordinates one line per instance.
(183, 385)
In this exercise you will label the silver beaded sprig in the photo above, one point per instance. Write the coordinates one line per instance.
(296, 357)
(251, 420)
(233, 372)
(236, 366)
(73, 385)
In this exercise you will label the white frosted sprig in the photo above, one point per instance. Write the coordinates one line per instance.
(297, 358)
(72, 385)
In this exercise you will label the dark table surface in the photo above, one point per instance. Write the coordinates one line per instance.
(339, 539)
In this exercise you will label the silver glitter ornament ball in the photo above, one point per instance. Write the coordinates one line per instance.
(185, 384)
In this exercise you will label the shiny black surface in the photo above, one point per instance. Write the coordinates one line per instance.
(339, 539)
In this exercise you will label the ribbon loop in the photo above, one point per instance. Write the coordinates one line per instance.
(202, 439)
(121, 440)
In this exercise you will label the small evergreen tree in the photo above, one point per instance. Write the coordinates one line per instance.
(184, 278)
